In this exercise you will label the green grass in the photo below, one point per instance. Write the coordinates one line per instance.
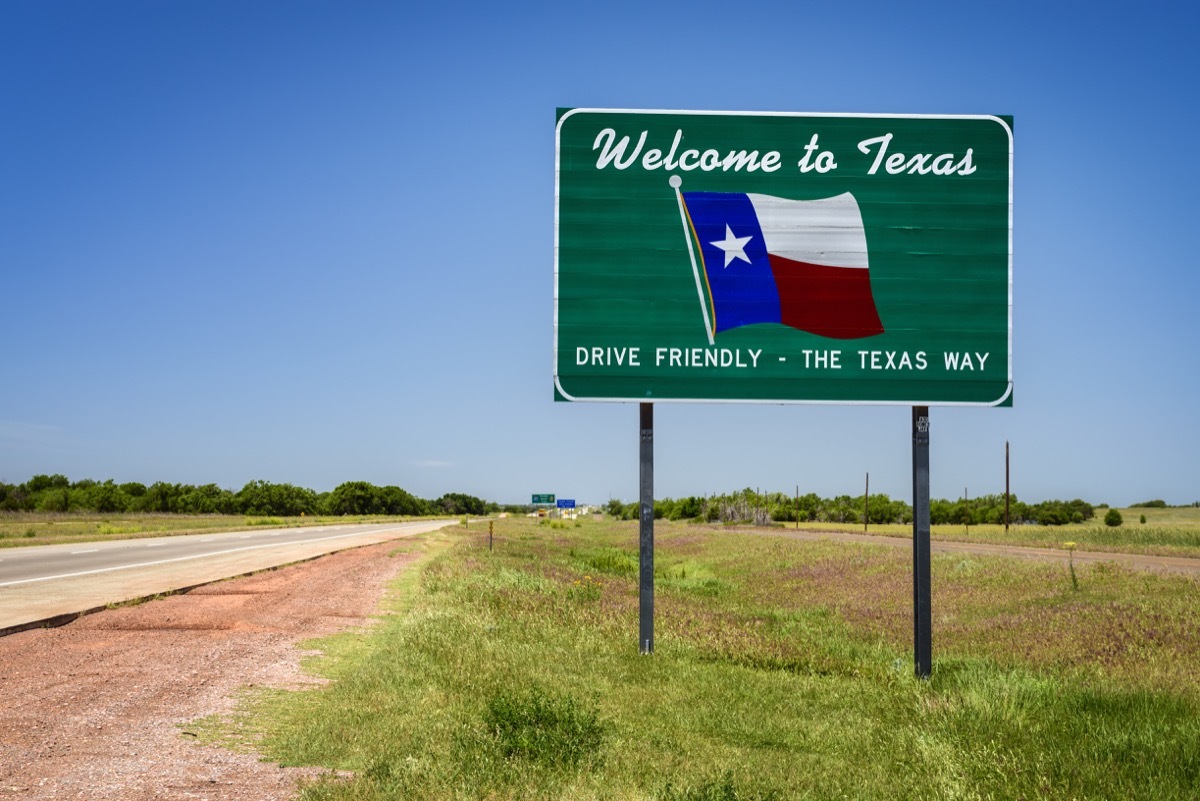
(1175, 515)
(783, 669)
(1166, 532)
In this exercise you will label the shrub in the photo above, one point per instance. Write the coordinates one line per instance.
(1113, 518)
(1051, 517)
(1143, 520)
(615, 562)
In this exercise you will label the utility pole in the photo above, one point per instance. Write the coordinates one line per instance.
(1006, 486)
(867, 503)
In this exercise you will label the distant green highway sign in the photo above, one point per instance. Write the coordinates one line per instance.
(543, 500)
(782, 257)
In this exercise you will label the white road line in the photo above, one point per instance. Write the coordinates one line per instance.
(187, 558)
(155, 544)
(93, 550)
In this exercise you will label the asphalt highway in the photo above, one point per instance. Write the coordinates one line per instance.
(51, 562)
(50, 584)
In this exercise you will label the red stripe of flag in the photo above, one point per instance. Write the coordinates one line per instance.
(834, 302)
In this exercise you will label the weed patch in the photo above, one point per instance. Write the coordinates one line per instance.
(586, 589)
(110, 530)
(612, 561)
(554, 731)
(722, 789)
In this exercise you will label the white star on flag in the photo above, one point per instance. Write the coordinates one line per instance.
(734, 246)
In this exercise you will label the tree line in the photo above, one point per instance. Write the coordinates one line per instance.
(751, 506)
(56, 493)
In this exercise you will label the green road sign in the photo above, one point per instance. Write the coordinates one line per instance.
(778, 257)
(543, 500)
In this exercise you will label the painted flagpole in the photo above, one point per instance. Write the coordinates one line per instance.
(677, 182)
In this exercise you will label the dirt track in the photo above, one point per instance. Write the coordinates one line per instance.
(1161, 564)
(93, 710)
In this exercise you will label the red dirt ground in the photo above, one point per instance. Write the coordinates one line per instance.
(96, 709)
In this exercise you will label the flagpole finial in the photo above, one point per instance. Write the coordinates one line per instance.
(675, 181)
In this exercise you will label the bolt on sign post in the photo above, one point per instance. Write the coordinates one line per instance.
(755, 257)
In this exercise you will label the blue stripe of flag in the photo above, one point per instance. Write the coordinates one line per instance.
(742, 293)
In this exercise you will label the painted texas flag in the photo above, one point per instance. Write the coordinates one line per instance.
(802, 263)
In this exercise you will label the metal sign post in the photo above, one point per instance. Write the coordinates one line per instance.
(646, 532)
(922, 603)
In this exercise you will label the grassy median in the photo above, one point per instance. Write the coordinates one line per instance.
(783, 670)
(56, 528)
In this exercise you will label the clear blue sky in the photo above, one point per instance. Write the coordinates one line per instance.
(313, 242)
